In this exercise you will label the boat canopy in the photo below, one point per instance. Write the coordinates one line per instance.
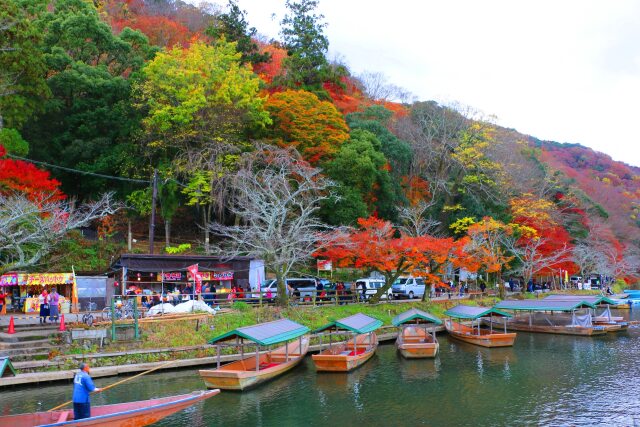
(266, 333)
(544, 305)
(591, 299)
(471, 312)
(358, 323)
(413, 315)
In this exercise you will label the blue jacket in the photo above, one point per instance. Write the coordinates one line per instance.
(82, 386)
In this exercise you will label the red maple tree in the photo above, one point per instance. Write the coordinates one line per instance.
(24, 177)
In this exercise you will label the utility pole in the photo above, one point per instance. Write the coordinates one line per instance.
(152, 224)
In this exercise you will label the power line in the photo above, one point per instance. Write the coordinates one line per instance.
(99, 175)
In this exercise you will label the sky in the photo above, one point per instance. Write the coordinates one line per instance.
(566, 71)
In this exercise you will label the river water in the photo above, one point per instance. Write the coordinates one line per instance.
(542, 380)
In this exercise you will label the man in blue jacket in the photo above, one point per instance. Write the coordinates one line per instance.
(82, 387)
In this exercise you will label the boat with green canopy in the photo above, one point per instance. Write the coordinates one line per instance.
(553, 316)
(258, 368)
(476, 334)
(415, 339)
(605, 318)
(348, 355)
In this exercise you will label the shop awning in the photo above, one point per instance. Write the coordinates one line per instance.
(266, 333)
(158, 263)
(358, 323)
(36, 279)
(543, 305)
(414, 315)
(591, 299)
(471, 312)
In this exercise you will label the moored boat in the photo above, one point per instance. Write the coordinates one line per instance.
(258, 368)
(140, 413)
(414, 339)
(477, 334)
(605, 318)
(541, 316)
(348, 355)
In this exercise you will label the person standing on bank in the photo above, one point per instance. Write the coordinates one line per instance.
(54, 300)
(82, 387)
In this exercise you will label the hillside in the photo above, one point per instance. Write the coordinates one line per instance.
(194, 93)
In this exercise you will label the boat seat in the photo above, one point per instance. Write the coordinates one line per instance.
(356, 352)
(64, 416)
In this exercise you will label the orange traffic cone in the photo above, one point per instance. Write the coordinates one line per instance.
(12, 328)
(62, 327)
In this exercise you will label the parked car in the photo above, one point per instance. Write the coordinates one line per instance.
(408, 287)
(371, 287)
(302, 287)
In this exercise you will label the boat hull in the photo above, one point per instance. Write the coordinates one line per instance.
(343, 357)
(132, 414)
(416, 343)
(486, 339)
(550, 329)
(242, 375)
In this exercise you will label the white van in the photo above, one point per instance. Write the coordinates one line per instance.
(408, 287)
(303, 287)
(371, 288)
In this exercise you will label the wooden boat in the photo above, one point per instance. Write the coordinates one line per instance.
(557, 323)
(521, 324)
(134, 414)
(258, 368)
(606, 319)
(477, 335)
(415, 342)
(347, 356)
(344, 357)
(248, 372)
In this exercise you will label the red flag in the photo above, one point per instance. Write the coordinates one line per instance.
(197, 277)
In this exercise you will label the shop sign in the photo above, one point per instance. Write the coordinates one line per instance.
(9, 279)
(324, 265)
(171, 276)
(215, 275)
(45, 279)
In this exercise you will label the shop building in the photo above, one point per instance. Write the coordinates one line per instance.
(147, 274)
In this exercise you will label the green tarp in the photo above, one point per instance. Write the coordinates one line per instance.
(591, 299)
(358, 323)
(471, 312)
(543, 305)
(266, 333)
(6, 368)
(413, 315)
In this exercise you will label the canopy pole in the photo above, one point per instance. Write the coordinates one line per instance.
(300, 345)
(242, 348)
(286, 352)
(505, 325)
(257, 357)
(491, 323)
(330, 340)
(218, 354)
(355, 344)
(530, 314)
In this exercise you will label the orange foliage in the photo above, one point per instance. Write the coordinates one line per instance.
(416, 189)
(24, 177)
(267, 71)
(160, 30)
(347, 99)
(315, 128)
(375, 246)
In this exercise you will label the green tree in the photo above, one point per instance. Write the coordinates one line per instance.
(303, 36)
(235, 28)
(88, 122)
(22, 65)
(202, 106)
(360, 166)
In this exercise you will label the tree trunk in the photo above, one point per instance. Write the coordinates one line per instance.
(283, 298)
(389, 279)
(205, 223)
(167, 232)
(129, 235)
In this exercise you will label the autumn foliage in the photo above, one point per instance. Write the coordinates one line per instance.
(24, 177)
(301, 120)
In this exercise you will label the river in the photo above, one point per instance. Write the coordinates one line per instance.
(542, 380)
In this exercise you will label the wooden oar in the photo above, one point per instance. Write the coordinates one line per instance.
(117, 383)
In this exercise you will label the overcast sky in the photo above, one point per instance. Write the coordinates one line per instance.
(567, 71)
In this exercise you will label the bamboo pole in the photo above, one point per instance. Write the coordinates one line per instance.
(118, 383)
